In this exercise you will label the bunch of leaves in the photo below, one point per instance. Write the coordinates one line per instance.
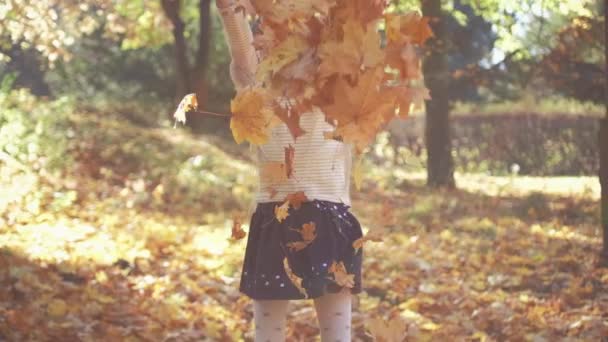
(328, 54)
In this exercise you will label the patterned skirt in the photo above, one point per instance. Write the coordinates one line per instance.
(303, 256)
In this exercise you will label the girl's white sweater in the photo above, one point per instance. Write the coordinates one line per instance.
(321, 167)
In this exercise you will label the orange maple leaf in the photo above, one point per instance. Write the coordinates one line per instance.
(307, 231)
(410, 27)
(237, 231)
(361, 110)
(296, 199)
(341, 277)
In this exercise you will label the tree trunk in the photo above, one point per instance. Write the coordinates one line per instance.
(171, 9)
(199, 74)
(603, 141)
(440, 164)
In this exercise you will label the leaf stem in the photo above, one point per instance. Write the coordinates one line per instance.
(210, 113)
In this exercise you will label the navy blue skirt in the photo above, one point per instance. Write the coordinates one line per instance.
(306, 255)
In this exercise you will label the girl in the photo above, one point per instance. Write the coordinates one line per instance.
(309, 254)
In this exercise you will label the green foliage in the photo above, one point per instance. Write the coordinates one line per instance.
(35, 132)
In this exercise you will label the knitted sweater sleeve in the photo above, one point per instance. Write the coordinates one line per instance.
(238, 35)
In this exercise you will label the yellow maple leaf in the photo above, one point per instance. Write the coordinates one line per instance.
(251, 117)
(281, 212)
(295, 280)
(281, 55)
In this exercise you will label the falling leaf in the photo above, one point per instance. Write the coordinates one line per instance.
(296, 199)
(251, 118)
(289, 155)
(188, 103)
(308, 231)
(295, 280)
(361, 110)
(297, 246)
(237, 231)
(341, 277)
(409, 27)
(281, 212)
(291, 118)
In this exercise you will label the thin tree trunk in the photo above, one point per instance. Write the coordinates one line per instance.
(199, 74)
(440, 164)
(603, 141)
(171, 9)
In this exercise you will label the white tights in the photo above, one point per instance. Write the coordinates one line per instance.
(333, 315)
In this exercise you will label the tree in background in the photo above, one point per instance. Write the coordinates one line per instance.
(576, 67)
(190, 78)
(47, 31)
(440, 164)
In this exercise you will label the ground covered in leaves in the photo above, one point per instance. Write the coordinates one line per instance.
(133, 244)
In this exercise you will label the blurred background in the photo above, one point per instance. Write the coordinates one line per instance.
(115, 224)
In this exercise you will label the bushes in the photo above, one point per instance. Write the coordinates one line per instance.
(499, 144)
(34, 132)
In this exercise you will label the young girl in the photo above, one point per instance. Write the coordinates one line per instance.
(325, 267)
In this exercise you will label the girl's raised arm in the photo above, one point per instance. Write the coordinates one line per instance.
(240, 41)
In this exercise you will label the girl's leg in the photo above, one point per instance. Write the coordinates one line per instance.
(270, 317)
(334, 316)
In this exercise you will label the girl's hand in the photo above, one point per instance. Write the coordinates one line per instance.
(224, 3)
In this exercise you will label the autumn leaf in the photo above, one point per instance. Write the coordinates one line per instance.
(307, 231)
(289, 155)
(295, 280)
(291, 119)
(407, 97)
(405, 59)
(407, 28)
(188, 103)
(237, 231)
(297, 246)
(251, 117)
(341, 277)
(361, 110)
(281, 212)
(57, 308)
(296, 199)
(280, 56)
(393, 330)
